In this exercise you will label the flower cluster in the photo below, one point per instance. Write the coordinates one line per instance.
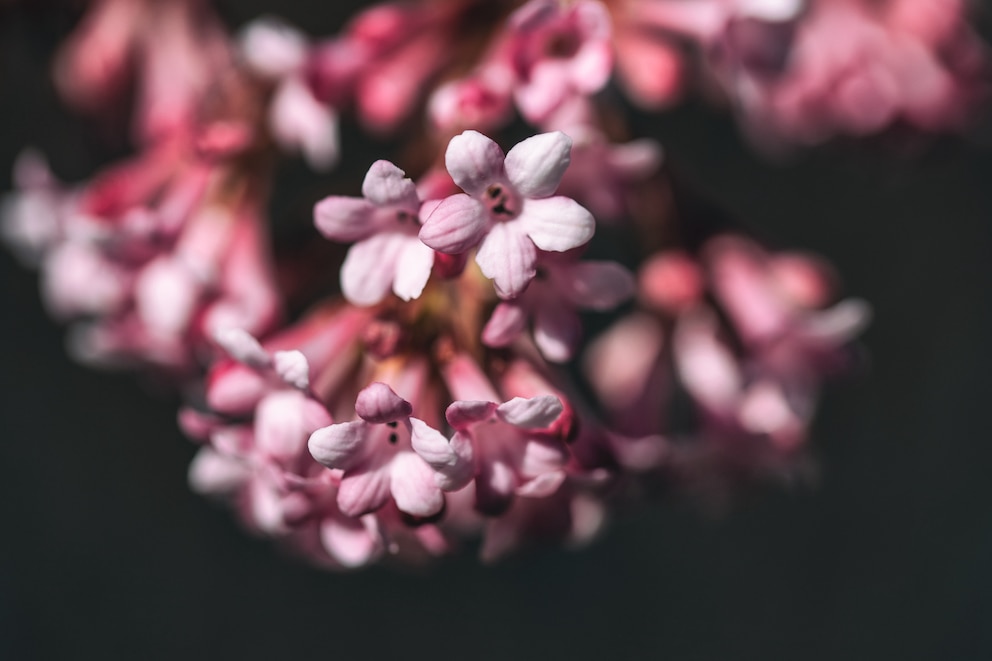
(444, 387)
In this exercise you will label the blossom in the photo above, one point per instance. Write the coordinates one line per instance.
(388, 253)
(508, 209)
(377, 457)
(563, 284)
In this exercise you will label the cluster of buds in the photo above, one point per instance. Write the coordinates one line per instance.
(447, 391)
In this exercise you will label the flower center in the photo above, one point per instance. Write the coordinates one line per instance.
(501, 202)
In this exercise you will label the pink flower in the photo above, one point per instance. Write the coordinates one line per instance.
(558, 52)
(562, 286)
(514, 453)
(377, 455)
(297, 118)
(388, 253)
(509, 211)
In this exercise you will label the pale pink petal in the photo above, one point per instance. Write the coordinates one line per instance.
(536, 165)
(166, 295)
(541, 456)
(284, 421)
(474, 162)
(378, 404)
(546, 89)
(370, 267)
(300, 121)
(272, 48)
(213, 473)
(293, 368)
(413, 486)
(345, 219)
(557, 223)
(507, 257)
(532, 413)
(557, 331)
(235, 389)
(455, 224)
(507, 322)
(541, 486)
(364, 490)
(242, 347)
(597, 285)
(352, 542)
(460, 414)
(451, 460)
(413, 269)
(340, 445)
(387, 184)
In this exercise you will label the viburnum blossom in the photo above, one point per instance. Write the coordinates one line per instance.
(508, 209)
(432, 380)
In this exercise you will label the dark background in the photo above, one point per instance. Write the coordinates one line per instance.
(105, 554)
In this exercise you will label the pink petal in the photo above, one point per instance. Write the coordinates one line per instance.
(474, 162)
(213, 473)
(541, 486)
(242, 347)
(300, 121)
(507, 322)
(557, 223)
(413, 269)
(370, 267)
(387, 184)
(451, 460)
(272, 48)
(293, 368)
(413, 486)
(507, 257)
(542, 456)
(455, 224)
(533, 413)
(352, 542)
(341, 445)
(378, 404)
(597, 285)
(284, 421)
(557, 331)
(546, 89)
(364, 491)
(536, 165)
(461, 413)
(234, 389)
(344, 219)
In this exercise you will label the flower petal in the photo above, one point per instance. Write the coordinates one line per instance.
(536, 165)
(370, 267)
(453, 225)
(507, 322)
(378, 404)
(284, 421)
(352, 542)
(213, 473)
(387, 184)
(364, 490)
(541, 486)
(597, 285)
(451, 461)
(474, 162)
(507, 257)
(293, 368)
(462, 413)
(533, 413)
(413, 486)
(557, 223)
(242, 347)
(345, 219)
(341, 445)
(557, 331)
(413, 269)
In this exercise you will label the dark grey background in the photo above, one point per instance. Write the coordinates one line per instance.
(105, 554)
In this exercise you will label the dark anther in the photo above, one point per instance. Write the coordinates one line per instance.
(494, 191)
(501, 209)
(392, 424)
(393, 438)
